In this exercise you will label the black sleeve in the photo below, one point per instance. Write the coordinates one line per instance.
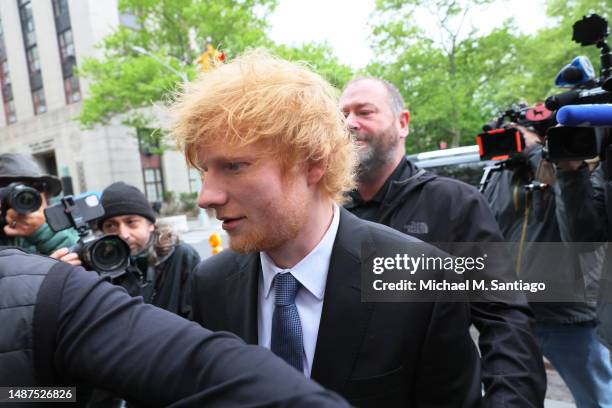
(152, 357)
(191, 259)
(448, 374)
(582, 214)
(512, 366)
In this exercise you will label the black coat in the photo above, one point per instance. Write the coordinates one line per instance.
(374, 354)
(546, 222)
(587, 200)
(170, 283)
(439, 209)
(84, 330)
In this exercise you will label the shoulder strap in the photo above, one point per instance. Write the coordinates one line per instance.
(44, 324)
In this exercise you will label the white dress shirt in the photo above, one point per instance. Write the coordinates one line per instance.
(311, 272)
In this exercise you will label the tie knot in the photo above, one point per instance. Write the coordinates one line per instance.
(286, 287)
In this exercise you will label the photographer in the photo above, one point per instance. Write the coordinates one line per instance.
(537, 214)
(30, 231)
(590, 205)
(160, 265)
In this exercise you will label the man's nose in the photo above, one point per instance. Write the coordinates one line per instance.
(124, 232)
(212, 193)
(352, 121)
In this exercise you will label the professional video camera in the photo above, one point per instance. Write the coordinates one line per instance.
(107, 255)
(578, 142)
(501, 140)
(19, 197)
(591, 30)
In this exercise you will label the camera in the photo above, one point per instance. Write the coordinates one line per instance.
(499, 142)
(107, 255)
(21, 198)
(590, 30)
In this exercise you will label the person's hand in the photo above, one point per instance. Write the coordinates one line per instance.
(531, 138)
(24, 225)
(569, 165)
(64, 255)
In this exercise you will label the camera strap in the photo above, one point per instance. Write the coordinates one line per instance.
(44, 323)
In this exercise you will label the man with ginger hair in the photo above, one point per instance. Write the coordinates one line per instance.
(276, 159)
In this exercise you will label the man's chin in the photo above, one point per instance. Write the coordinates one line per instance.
(245, 245)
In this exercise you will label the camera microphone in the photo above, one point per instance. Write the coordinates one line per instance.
(589, 115)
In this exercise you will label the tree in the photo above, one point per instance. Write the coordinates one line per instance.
(175, 32)
(321, 58)
(453, 80)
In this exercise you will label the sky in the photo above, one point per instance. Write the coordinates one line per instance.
(344, 23)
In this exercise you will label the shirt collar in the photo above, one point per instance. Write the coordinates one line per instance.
(312, 270)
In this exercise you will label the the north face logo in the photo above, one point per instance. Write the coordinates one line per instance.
(416, 227)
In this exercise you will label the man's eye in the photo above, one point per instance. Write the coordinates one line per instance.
(365, 113)
(235, 166)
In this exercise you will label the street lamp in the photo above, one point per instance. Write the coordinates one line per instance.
(202, 215)
(161, 62)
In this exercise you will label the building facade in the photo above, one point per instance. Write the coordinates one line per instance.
(41, 43)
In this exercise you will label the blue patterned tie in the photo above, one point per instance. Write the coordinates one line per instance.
(287, 340)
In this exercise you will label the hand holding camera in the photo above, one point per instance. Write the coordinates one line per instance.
(107, 255)
(64, 255)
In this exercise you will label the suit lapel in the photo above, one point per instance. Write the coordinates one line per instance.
(242, 294)
(344, 318)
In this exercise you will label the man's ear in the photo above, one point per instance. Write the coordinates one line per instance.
(316, 170)
(404, 120)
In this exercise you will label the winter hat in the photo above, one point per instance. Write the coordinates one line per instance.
(123, 199)
(15, 167)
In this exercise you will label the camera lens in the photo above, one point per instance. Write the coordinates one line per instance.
(109, 253)
(24, 199)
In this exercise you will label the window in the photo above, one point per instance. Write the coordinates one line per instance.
(9, 111)
(153, 184)
(29, 41)
(27, 23)
(71, 89)
(5, 83)
(38, 98)
(60, 7)
(66, 44)
(33, 60)
(5, 73)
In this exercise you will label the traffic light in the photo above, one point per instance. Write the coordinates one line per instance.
(210, 57)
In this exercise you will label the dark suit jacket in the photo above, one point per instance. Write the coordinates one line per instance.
(373, 354)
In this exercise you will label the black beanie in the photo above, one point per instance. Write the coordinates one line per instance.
(122, 199)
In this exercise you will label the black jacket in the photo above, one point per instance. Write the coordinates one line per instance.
(173, 280)
(82, 330)
(438, 209)
(546, 221)
(168, 284)
(588, 204)
(384, 354)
